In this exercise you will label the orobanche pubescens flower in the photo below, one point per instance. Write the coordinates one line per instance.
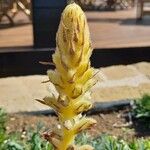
(72, 78)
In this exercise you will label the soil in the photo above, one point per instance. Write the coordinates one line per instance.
(110, 123)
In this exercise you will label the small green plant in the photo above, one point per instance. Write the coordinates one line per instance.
(14, 140)
(106, 142)
(141, 107)
(109, 143)
(3, 119)
(140, 144)
(34, 141)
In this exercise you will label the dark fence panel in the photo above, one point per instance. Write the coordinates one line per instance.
(107, 57)
(49, 3)
(24, 63)
(27, 62)
(46, 18)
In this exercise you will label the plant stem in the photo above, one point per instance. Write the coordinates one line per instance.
(68, 138)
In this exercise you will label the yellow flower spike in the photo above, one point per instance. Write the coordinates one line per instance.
(51, 102)
(74, 109)
(72, 147)
(84, 123)
(86, 76)
(82, 106)
(55, 78)
(72, 78)
(55, 142)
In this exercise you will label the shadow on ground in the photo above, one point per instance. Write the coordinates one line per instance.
(8, 25)
(143, 22)
(142, 127)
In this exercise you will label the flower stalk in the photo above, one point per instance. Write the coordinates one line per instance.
(72, 78)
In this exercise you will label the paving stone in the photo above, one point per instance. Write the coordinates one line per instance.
(19, 93)
(143, 67)
(116, 93)
(118, 72)
(127, 81)
(114, 83)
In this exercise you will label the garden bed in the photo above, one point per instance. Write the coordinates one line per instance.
(112, 123)
(126, 127)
